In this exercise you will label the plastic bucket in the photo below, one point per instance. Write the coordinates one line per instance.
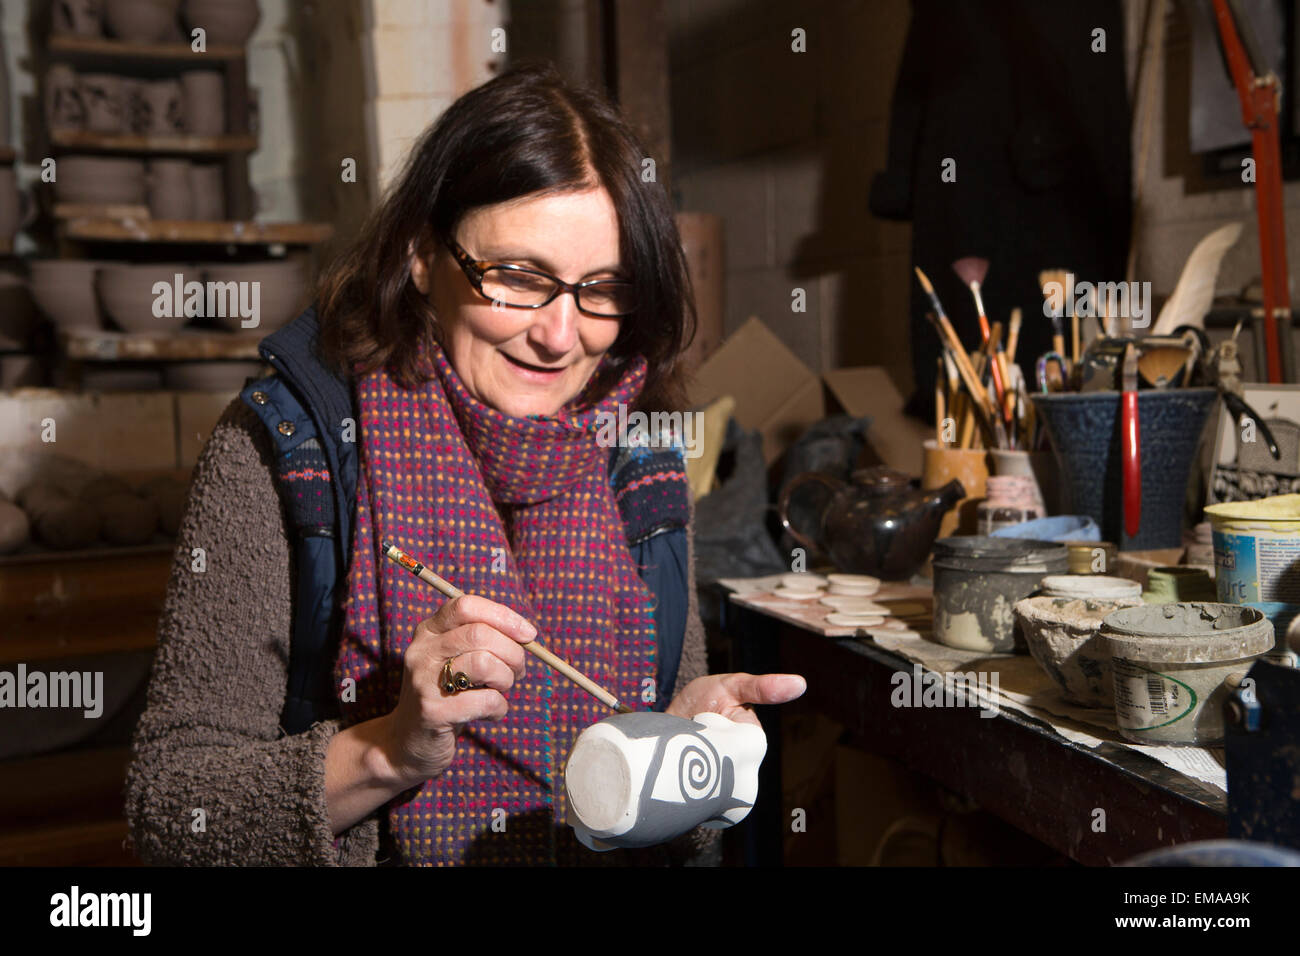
(1257, 559)
(1169, 662)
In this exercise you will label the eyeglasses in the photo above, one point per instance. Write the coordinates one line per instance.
(521, 288)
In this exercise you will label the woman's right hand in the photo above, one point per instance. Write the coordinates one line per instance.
(485, 640)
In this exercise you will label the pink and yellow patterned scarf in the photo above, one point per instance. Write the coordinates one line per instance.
(519, 510)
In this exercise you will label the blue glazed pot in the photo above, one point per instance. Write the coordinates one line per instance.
(1085, 433)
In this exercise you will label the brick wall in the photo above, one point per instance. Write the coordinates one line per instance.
(783, 146)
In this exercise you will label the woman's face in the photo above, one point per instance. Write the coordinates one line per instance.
(525, 361)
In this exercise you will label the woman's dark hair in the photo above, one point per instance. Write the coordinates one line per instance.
(527, 131)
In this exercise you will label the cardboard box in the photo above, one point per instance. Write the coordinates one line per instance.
(780, 396)
(775, 392)
(894, 437)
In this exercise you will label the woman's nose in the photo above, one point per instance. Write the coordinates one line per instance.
(555, 330)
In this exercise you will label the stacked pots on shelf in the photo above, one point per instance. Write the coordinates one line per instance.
(158, 21)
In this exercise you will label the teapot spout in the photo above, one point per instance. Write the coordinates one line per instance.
(940, 500)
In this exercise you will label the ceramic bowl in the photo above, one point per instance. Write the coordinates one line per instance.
(100, 180)
(281, 292)
(225, 21)
(1063, 637)
(128, 295)
(64, 289)
(141, 21)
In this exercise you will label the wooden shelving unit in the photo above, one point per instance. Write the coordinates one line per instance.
(244, 233)
(82, 141)
(101, 51)
(92, 345)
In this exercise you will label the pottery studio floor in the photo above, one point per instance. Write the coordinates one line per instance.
(1022, 684)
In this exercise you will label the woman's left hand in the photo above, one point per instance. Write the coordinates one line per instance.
(730, 695)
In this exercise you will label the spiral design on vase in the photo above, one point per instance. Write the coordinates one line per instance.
(697, 770)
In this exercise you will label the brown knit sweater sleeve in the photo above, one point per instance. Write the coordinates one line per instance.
(695, 662)
(210, 737)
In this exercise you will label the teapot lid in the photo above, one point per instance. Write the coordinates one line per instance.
(880, 478)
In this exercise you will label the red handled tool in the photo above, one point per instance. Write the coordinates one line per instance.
(1260, 92)
(1131, 444)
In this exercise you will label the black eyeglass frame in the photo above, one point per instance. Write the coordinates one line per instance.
(475, 269)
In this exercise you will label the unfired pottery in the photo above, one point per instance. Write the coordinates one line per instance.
(636, 780)
(157, 108)
(99, 180)
(64, 108)
(281, 291)
(82, 18)
(127, 292)
(169, 189)
(104, 97)
(65, 291)
(205, 102)
(224, 21)
(207, 187)
(140, 21)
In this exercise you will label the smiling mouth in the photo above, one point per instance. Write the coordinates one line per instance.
(553, 370)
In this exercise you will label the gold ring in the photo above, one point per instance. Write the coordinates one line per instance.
(453, 681)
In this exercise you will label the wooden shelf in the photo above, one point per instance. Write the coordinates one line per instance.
(243, 233)
(82, 605)
(89, 210)
(85, 141)
(63, 787)
(98, 843)
(97, 346)
(89, 51)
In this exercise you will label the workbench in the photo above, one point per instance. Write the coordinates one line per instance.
(1013, 766)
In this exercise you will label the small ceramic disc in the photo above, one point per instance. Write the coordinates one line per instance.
(855, 620)
(853, 603)
(848, 591)
(854, 580)
(802, 582)
(794, 595)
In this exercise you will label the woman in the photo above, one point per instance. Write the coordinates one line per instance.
(518, 281)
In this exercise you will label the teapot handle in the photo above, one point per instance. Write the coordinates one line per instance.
(783, 504)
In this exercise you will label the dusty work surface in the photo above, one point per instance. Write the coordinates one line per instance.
(1021, 685)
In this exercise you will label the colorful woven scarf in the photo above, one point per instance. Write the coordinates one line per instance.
(519, 510)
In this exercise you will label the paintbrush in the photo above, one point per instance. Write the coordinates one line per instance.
(404, 560)
(1060, 278)
(972, 270)
(979, 399)
(1013, 336)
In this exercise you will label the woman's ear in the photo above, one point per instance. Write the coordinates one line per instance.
(421, 253)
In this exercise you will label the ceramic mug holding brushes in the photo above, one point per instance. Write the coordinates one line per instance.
(940, 464)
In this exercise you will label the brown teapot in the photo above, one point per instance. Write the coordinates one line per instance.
(878, 523)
